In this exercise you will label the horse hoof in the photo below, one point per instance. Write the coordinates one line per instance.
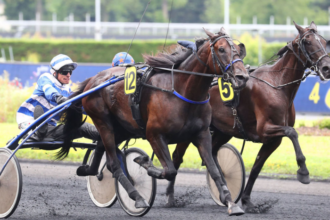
(170, 201)
(141, 203)
(249, 207)
(234, 209)
(85, 171)
(303, 178)
(142, 160)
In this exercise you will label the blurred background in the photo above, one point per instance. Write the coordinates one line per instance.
(91, 32)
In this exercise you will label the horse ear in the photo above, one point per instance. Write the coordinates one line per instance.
(242, 51)
(223, 30)
(282, 50)
(210, 34)
(299, 28)
(313, 26)
(328, 47)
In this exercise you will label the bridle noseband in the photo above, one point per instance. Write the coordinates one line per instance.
(301, 46)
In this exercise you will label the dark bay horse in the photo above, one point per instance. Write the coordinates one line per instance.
(267, 113)
(168, 119)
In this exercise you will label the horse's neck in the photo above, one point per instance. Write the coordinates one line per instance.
(291, 69)
(191, 86)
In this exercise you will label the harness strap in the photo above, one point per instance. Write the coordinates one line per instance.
(191, 101)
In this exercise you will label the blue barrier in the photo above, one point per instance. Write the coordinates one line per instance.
(313, 95)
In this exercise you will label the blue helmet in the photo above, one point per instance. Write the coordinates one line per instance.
(119, 58)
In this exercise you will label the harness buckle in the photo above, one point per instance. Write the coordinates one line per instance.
(225, 77)
(234, 111)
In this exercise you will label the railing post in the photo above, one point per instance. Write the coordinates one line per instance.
(238, 21)
(260, 46)
(37, 22)
(98, 34)
(11, 54)
(71, 20)
(255, 20)
(20, 17)
(3, 54)
(88, 20)
(271, 22)
(305, 21)
(288, 22)
(54, 28)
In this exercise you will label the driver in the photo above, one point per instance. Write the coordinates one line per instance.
(52, 89)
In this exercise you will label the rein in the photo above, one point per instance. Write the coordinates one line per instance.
(283, 85)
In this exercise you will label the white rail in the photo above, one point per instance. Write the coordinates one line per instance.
(146, 29)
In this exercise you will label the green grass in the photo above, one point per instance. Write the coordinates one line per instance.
(282, 161)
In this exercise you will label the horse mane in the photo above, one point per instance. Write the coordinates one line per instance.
(172, 57)
(167, 59)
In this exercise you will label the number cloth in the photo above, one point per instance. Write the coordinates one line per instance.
(47, 89)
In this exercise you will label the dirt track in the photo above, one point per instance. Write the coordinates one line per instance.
(55, 192)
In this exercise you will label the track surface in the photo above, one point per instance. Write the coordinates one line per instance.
(52, 191)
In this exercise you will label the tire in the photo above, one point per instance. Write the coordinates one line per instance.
(143, 183)
(102, 192)
(10, 183)
(233, 168)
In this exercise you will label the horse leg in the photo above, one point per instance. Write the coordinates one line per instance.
(107, 134)
(177, 160)
(302, 172)
(265, 151)
(203, 143)
(161, 150)
(92, 170)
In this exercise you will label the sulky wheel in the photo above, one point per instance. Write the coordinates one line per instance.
(232, 166)
(101, 188)
(10, 183)
(143, 183)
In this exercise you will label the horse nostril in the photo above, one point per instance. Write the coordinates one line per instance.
(242, 78)
(325, 69)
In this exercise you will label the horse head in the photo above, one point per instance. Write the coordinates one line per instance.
(226, 58)
(315, 50)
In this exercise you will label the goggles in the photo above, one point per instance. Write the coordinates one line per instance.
(65, 72)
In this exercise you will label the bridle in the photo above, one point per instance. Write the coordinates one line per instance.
(215, 59)
(301, 47)
(224, 68)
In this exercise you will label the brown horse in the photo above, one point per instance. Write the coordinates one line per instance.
(167, 118)
(267, 113)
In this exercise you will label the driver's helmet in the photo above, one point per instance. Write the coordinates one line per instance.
(60, 61)
(119, 59)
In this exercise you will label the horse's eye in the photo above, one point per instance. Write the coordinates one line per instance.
(308, 42)
(221, 50)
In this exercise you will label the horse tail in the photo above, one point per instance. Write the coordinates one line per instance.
(72, 120)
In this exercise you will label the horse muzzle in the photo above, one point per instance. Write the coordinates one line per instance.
(239, 82)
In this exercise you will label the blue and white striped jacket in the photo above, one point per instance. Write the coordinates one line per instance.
(48, 87)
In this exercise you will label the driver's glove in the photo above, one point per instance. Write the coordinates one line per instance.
(60, 99)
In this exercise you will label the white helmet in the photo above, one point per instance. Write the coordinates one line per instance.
(59, 61)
